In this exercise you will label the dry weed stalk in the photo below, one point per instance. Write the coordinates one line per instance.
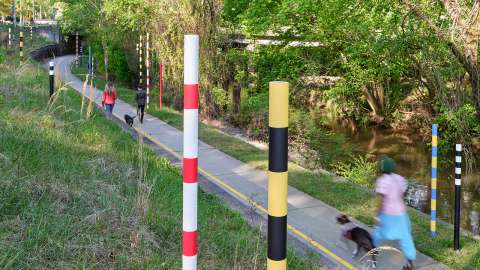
(143, 188)
(53, 99)
(84, 90)
(90, 102)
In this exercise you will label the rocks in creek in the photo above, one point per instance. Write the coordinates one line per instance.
(417, 195)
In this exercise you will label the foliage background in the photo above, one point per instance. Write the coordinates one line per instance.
(378, 64)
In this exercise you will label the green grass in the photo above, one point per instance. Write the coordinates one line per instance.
(345, 196)
(72, 194)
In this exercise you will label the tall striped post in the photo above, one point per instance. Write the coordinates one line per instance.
(21, 44)
(140, 66)
(90, 62)
(81, 54)
(277, 176)
(76, 49)
(160, 85)
(14, 15)
(51, 73)
(147, 67)
(31, 31)
(190, 152)
(433, 204)
(9, 37)
(458, 185)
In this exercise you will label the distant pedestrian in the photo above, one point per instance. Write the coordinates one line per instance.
(140, 98)
(392, 220)
(109, 97)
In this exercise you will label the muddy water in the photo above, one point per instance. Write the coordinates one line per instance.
(413, 158)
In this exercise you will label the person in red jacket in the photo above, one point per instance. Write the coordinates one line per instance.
(109, 97)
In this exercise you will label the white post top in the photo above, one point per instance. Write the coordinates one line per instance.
(458, 147)
(51, 63)
(191, 59)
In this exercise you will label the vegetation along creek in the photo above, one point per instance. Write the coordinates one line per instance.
(413, 157)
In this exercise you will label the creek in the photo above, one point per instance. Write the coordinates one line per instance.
(413, 158)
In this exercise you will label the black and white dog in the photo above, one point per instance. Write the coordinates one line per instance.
(129, 119)
(359, 236)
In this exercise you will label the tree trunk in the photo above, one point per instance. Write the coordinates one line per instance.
(106, 64)
(375, 98)
(105, 59)
(474, 80)
(236, 97)
(469, 29)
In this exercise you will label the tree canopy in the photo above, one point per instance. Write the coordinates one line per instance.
(393, 63)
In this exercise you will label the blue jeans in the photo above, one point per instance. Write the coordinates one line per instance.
(109, 108)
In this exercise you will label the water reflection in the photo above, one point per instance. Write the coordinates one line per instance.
(414, 162)
(417, 196)
(475, 222)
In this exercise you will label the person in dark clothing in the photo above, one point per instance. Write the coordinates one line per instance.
(140, 98)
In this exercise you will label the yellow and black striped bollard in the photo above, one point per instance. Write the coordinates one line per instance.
(277, 176)
(21, 45)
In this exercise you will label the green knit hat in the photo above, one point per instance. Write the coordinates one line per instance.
(387, 165)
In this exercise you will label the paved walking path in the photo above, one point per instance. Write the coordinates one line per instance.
(309, 220)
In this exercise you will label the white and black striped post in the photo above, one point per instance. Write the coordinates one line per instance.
(140, 60)
(51, 74)
(147, 67)
(9, 37)
(458, 185)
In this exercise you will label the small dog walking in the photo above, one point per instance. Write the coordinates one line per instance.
(359, 236)
(129, 119)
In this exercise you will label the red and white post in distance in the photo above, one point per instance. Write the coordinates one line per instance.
(160, 85)
(190, 152)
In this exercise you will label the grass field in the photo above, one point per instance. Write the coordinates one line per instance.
(345, 196)
(78, 193)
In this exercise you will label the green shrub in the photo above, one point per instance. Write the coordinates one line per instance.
(254, 115)
(220, 98)
(359, 170)
(3, 55)
(457, 126)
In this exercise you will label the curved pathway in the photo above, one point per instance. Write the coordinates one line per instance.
(309, 220)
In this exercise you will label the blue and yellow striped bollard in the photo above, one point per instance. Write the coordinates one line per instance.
(433, 207)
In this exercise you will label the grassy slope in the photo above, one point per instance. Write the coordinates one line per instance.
(344, 196)
(69, 193)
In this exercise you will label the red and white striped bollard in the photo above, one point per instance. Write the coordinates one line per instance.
(190, 152)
